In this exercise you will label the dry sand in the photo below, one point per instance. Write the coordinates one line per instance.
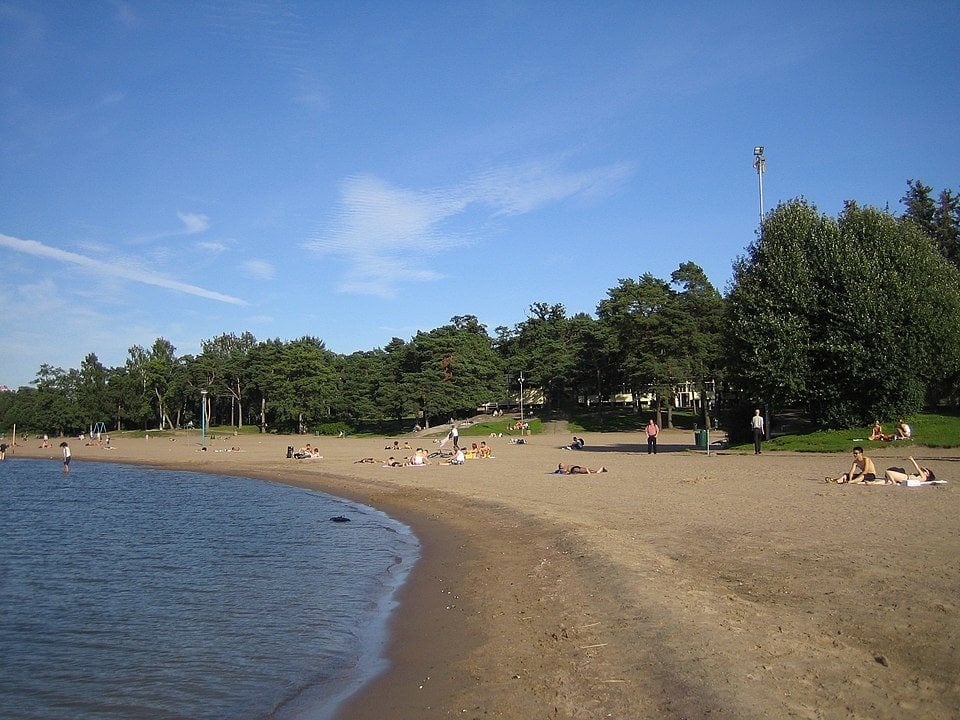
(673, 586)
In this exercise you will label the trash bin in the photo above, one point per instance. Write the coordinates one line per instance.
(700, 437)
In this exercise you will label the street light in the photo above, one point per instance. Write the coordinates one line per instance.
(521, 396)
(760, 164)
(203, 419)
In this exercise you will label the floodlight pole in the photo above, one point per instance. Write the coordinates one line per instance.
(203, 419)
(760, 164)
(521, 397)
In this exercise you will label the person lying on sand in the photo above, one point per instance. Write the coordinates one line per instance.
(899, 476)
(391, 462)
(861, 472)
(577, 470)
(371, 461)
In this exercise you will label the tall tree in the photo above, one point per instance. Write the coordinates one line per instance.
(224, 362)
(700, 308)
(641, 315)
(456, 368)
(817, 314)
(939, 218)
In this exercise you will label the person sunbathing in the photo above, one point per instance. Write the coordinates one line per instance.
(485, 450)
(577, 470)
(899, 476)
(391, 462)
(877, 432)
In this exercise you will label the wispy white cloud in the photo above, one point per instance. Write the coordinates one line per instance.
(212, 246)
(194, 223)
(259, 270)
(116, 270)
(387, 234)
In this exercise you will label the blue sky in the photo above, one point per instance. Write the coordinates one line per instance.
(361, 171)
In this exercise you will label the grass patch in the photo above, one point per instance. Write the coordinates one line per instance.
(483, 429)
(929, 430)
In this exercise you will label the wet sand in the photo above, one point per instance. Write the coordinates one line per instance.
(673, 586)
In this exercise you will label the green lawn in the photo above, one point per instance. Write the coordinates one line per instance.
(929, 430)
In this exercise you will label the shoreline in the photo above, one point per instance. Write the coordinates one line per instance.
(676, 585)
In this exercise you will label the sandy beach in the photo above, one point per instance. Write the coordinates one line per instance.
(677, 585)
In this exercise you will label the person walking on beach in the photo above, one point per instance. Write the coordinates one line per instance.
(455, 436)
(652, 430)
(66, 456)
(756, 424)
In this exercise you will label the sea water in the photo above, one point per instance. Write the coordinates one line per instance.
(128, 592)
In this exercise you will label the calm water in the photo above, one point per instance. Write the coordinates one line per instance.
(128, 592)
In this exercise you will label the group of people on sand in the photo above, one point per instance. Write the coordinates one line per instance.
(307, 452)
(864, 472)
(418, 459)
(903, 432)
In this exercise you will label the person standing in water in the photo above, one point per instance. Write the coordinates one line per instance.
(66, 456)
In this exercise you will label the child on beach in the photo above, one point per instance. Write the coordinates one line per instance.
(66, 456)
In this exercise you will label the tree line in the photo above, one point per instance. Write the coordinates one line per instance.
(849, 319)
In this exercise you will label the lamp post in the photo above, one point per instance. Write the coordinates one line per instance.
(760, 164)
(203, 419)
(521, 396)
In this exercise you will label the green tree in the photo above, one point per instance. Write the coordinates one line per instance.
(643, 318)
(453, 369)
(939, 218)
(543, 347)
(700, 320)
(223, 362)
(855, 318)
(93, 393)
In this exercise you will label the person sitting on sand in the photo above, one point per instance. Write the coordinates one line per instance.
(899, 476)
(877, 432)
(419, 459)
(395, 447)
(862, 471)
(903, 431)
(457, 459)
(485, 450)
(576, 444)
(577, 470)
